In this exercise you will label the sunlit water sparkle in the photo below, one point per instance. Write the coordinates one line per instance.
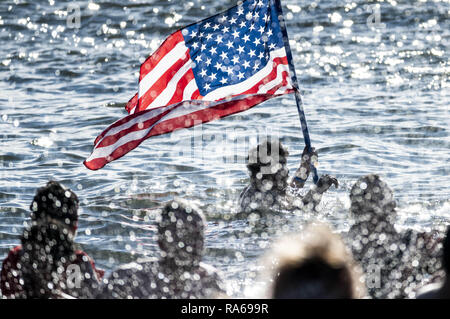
(376, 95)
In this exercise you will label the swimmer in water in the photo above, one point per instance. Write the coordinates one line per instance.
(53, 202)
(179, 272)
(440, 290)
(269, 187)
(394, 262)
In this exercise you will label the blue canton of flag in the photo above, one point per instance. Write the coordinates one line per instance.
(234, 45)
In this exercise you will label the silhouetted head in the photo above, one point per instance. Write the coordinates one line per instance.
(314, 264)
(54, 201)
(371, 197)
(447, 252)
(47, 248)
(181, 234)
(267, 164)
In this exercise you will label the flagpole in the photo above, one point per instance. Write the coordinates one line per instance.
(298, 96)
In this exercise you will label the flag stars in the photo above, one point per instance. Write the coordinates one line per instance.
(219, 56)
(213, 50)
(218, 66)
(224, 56)
(229, 70)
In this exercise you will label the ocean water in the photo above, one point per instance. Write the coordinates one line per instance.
(375, 81)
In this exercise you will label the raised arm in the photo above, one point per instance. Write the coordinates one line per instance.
(302, 173)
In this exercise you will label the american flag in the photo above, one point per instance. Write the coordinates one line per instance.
(219, 66)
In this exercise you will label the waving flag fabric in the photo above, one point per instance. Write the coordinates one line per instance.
(219, 66)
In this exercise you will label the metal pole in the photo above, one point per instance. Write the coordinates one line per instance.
(298, 97)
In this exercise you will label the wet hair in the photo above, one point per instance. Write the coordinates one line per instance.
(371, 196)
(314, 264)
(46, 248)
(181, 233)
(270, 154)
(446, 257)
(55, 202)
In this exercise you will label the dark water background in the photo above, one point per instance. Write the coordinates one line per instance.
(375, 78)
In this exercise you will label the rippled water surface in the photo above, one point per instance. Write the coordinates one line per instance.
(375, 78)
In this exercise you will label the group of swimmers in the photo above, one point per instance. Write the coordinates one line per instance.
(372, 260)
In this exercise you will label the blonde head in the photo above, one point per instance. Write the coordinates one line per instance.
(313, 264)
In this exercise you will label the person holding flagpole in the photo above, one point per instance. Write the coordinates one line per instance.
(269, 188)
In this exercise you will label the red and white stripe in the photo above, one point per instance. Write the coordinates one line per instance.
(169, 99)
(127, 133)
(166, 77)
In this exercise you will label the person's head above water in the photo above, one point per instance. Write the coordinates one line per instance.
(181, 234)
(371, 197)
(54, 201)
(267, 164)
(314, 264)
